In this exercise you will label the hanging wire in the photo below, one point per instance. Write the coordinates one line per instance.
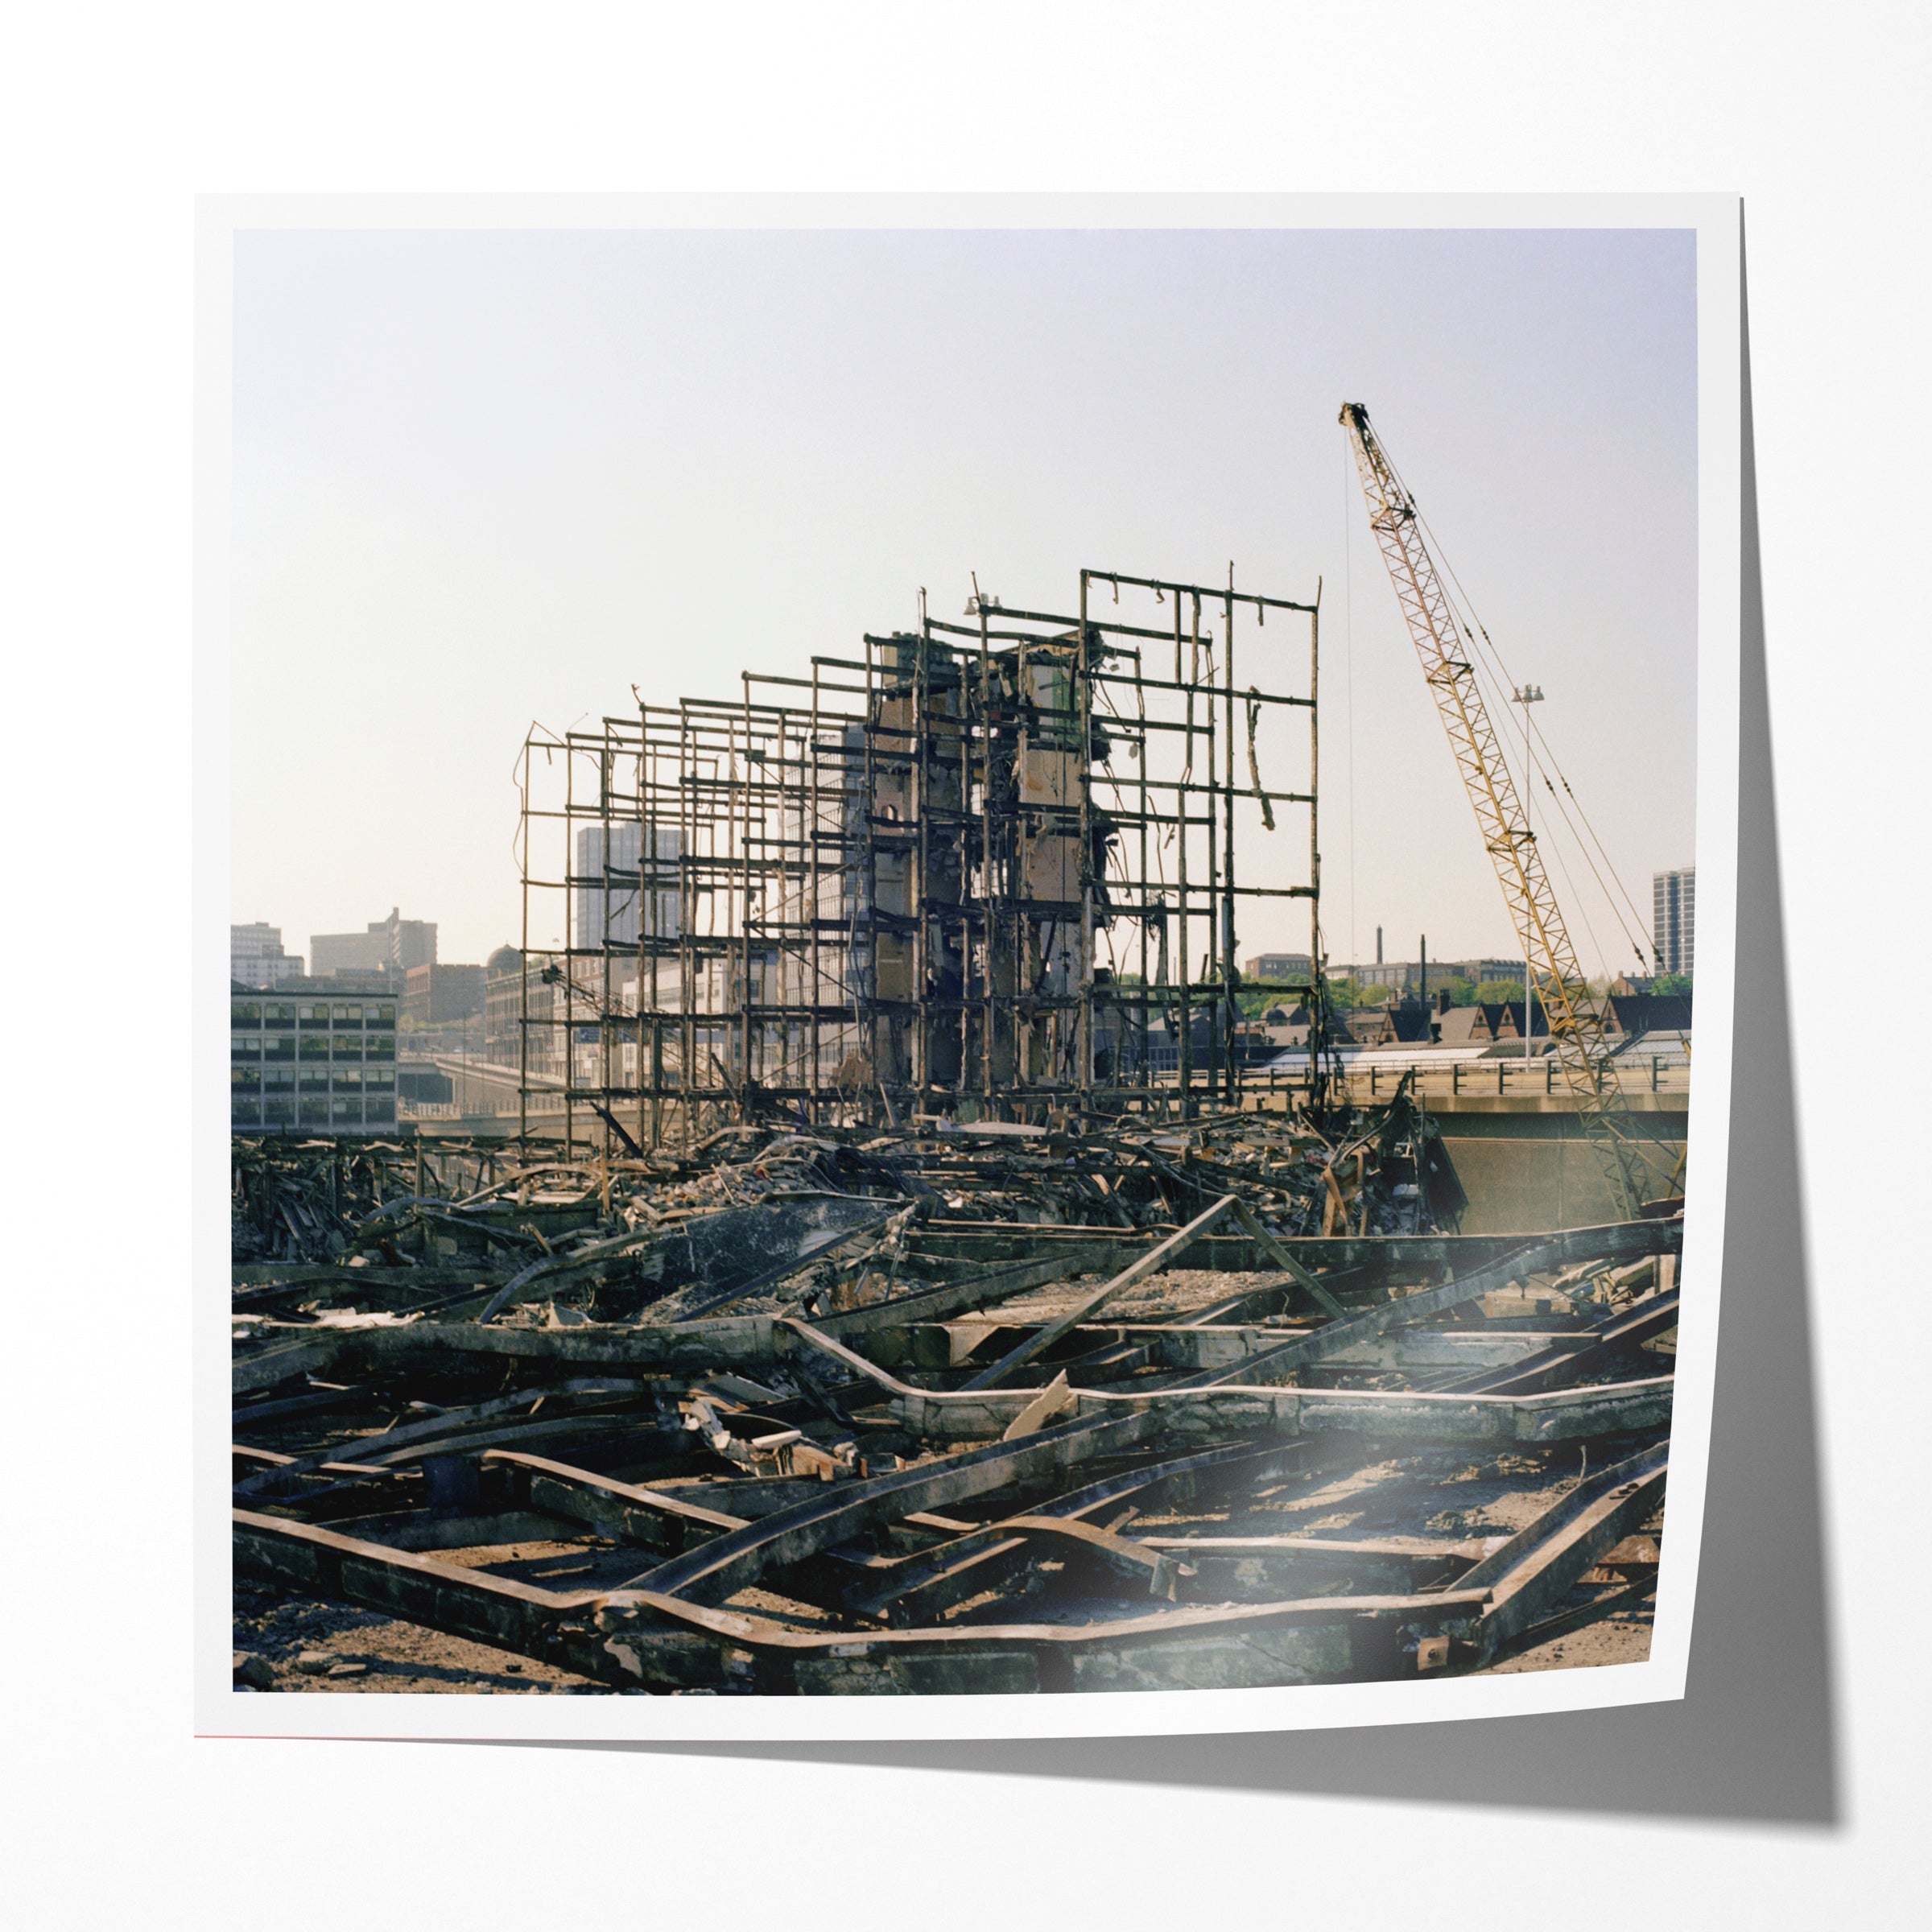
(1493, 676)
(1348, 675)
(1582, 905)
(1487, 665)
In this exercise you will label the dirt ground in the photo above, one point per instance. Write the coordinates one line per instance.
(391, 1656)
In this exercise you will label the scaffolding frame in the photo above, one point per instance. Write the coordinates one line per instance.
(918, 882)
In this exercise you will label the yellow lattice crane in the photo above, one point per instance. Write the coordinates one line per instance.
(1578, 1037)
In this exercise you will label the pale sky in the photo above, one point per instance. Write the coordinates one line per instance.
(486, 478)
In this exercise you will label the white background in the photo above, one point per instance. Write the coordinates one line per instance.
(113, 119)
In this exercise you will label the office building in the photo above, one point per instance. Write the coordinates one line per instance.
(391, 945)
(1673, 919)
(255, 957)
(611, 887)
(434, 994)
(304, 1059)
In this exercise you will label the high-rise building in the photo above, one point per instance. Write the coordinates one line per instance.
(390, 945)
(1674, 919)
(610, 888)
(255, 958)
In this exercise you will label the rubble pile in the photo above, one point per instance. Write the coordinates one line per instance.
(1384, 1172)
(1090, 1404)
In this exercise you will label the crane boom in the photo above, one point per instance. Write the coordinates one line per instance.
(1578, 1037)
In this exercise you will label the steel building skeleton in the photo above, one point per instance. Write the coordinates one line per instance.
(917, 880)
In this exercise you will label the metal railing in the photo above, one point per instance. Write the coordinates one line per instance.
(1538, 1076)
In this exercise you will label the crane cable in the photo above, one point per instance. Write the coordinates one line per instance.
(1498, 671)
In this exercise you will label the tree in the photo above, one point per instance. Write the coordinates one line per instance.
(1671, 982)
(1496, 992)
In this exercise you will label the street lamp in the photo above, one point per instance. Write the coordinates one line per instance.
(1526, 695)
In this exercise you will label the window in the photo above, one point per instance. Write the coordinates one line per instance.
(315, 1114)
(312, 1016)
(278, 1047)
(278, 1113)
(278, 1013)
(315, 1079)
(378, 1083)
(244, 1110)
(384, 1015)
(245, 1046)
(347, 1112)
(348, 1046)
(245, 1080)
(245, 1013)
(379, 1046)
(347, 1016)
(315, 1046)
(276, 1082)
(349, 1080)
(381, 1113)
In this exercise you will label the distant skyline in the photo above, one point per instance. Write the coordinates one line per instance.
(486, 477)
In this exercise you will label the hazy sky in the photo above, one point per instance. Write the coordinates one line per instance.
(486, 478)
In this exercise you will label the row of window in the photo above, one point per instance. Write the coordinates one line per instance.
(341, 1080)
(335, 1114)
(311, 1047)
(352, 1013)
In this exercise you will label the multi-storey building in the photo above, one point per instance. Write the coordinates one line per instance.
(505, 1040)
(1292, 968)
(502, 1006)
(304, 1058)
(255, 957)
(1399, 974)
(612, 884)
(390, 945)
(435, 994)
(1674, 919)
(1405, 976)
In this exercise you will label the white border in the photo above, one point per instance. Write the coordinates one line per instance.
(219, 1710)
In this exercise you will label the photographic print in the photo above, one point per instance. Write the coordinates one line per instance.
(963, 959)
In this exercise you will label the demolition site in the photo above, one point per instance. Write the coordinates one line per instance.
(898, 1272)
